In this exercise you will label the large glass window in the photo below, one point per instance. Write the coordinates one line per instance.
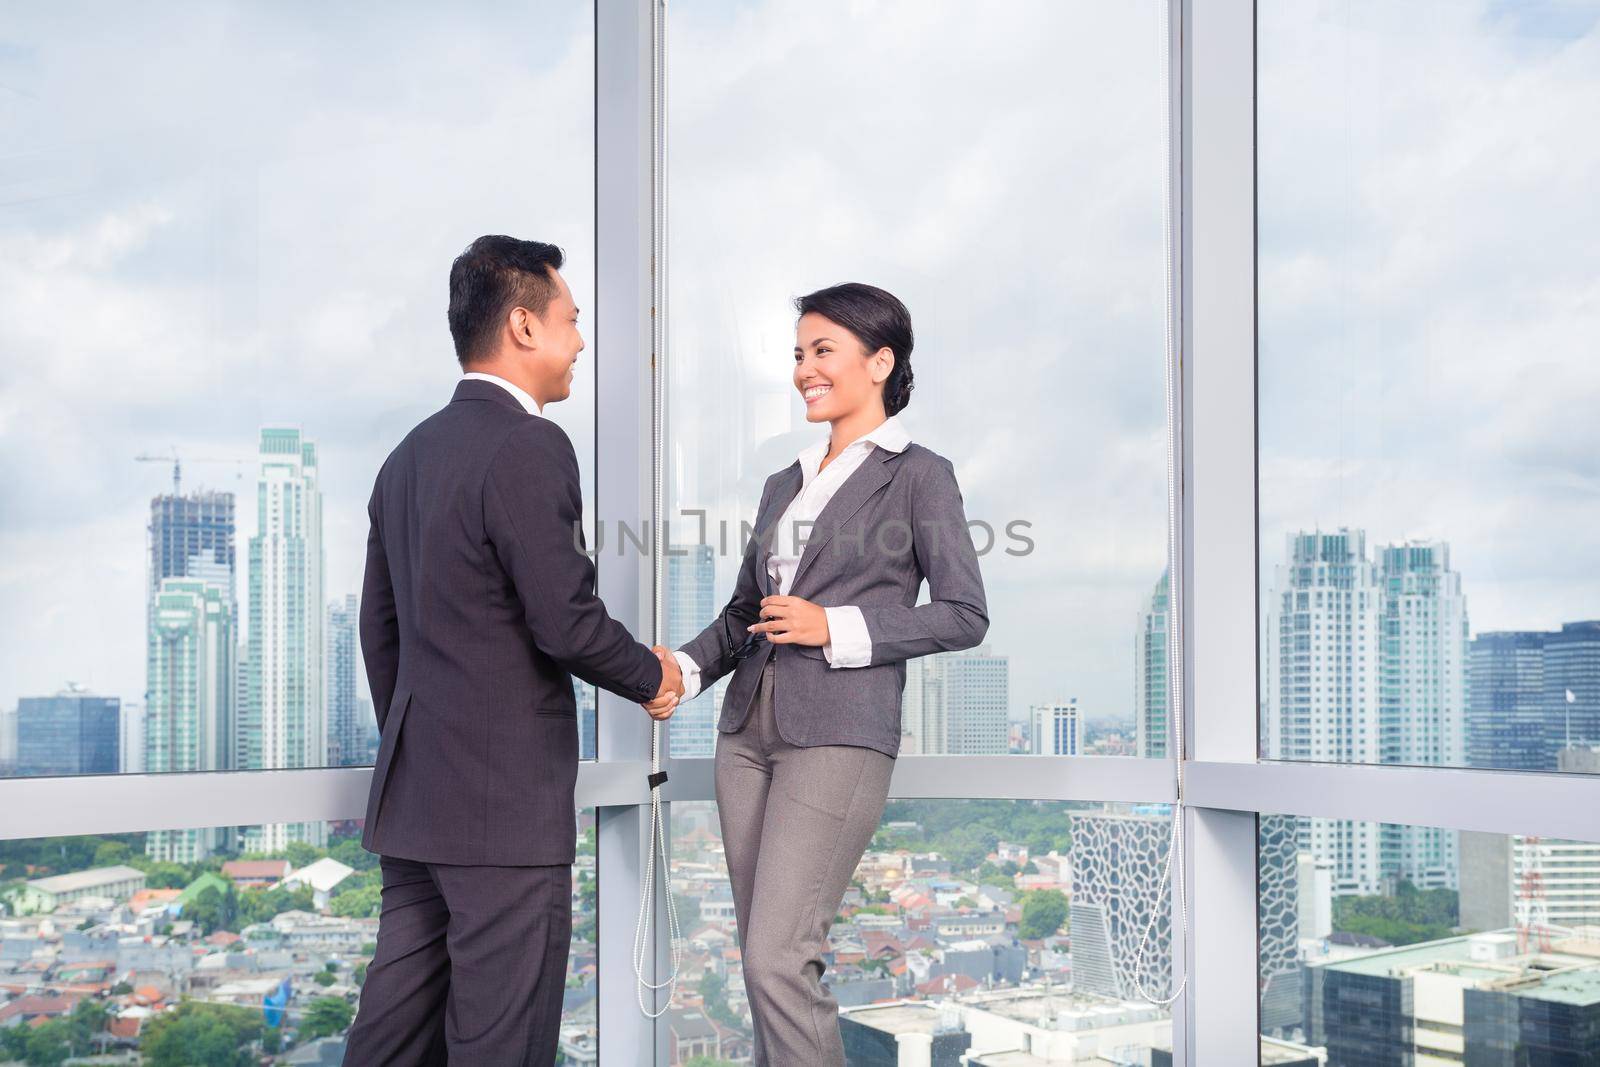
(224, 248)
(1430, 567)
(106, 947)
(999, 928)
(1003, 177)
(1500, 967)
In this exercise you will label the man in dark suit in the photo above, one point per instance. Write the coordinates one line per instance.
(478, 602)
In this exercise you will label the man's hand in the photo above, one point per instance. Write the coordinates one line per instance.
(792, 620)
(666, 699)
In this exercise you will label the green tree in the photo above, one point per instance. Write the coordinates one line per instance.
(261, 905)
(360, 973)
(301, 854)
(49, 1045)
(325, 1017)
(348, 851)
(213, 909)
(201, 1035)
(112, 854)
(165, 875)
(714, 993)
(361, 904)
(1043, 912)
(323, 979)
(14, 1042)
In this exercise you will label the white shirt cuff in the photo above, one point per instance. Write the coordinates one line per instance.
(691, 676)
(849, 644)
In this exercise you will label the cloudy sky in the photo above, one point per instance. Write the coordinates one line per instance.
(218, 216)
(1430, 290)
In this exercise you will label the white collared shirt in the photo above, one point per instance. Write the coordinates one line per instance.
(523, 397)
(849, 644)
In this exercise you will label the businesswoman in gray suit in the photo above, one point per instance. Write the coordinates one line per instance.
(823, 617)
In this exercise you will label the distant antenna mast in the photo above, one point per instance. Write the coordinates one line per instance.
(1533, 912)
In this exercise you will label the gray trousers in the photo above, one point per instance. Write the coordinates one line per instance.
(795, 822)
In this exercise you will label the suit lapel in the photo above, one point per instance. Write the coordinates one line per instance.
(875, 473)
(782, 496)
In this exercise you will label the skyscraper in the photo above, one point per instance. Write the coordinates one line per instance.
(191, 682)
(977, 695)
(192, 536)
(1322, 637)
(1506, 725)
(691, 603)
(1055, 729)
(347, 733)
(282, 724)
(73, 732)
(132, 738)
(1150, 712)
(588, 726)
(1572, 685)
(189, 697)
(1422, 695)
(8, 741)
(922, 718)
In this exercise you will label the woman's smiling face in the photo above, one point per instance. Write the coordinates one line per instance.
(833, 372)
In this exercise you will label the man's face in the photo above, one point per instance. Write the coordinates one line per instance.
(557, 343)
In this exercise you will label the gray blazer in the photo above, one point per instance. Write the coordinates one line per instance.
(897, 520)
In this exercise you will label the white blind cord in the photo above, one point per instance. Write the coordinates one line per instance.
(645, 990)
(1175, 859)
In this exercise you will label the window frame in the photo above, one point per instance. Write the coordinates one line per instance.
(1225, 785)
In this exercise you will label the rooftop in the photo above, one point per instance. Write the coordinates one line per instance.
(81, 880)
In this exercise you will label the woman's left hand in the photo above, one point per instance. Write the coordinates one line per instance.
(792, 620)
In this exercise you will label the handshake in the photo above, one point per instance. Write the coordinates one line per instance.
(672, 688)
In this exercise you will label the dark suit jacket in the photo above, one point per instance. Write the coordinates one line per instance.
(897, 521)
(478, 601)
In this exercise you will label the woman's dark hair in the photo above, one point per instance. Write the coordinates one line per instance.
(880, 320)
(494, 275)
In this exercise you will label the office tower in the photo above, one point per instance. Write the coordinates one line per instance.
(1506, 721)
(1498, 871)
(192, 540)
(1422, 694)
(347, 733)
(690, 604)
(190, 675)
(1150, 712)
(282, 724)
(1323, 636)
(73, 732)
(1282, 904)
(1116, 876)
(583, 695)
(977, 695)
(1572, 685)
(192, 536)
(1054, 729)
(922, 717)
(8, 741)
(131, 739)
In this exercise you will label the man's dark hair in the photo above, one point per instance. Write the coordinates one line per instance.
(879, 320)
(494, 275)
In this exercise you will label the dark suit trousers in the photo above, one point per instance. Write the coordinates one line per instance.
(470, 967)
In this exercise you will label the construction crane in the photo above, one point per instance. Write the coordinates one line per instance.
(177, 464)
